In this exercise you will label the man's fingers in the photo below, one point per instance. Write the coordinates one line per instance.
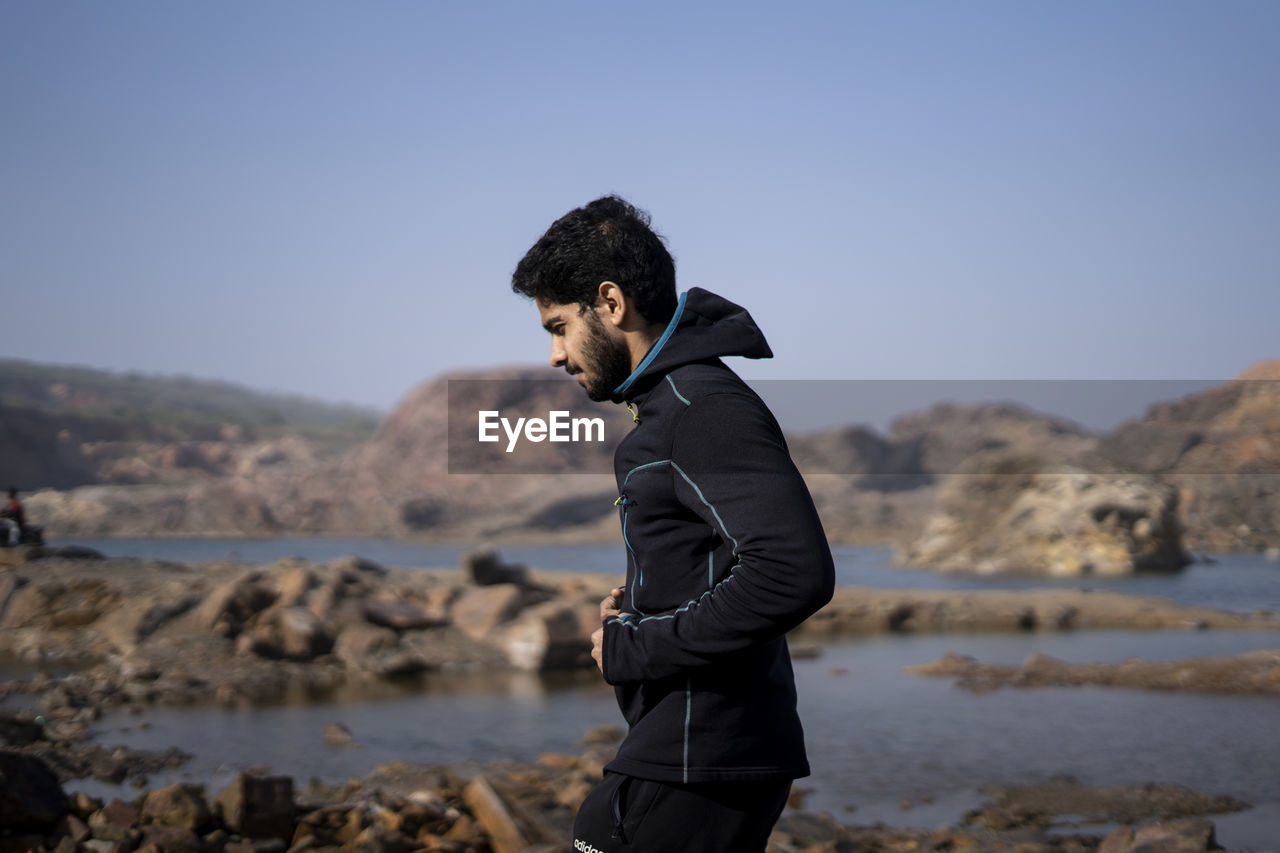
(597, 649)
(609, 606)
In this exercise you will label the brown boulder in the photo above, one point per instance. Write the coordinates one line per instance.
(258, 806)
(398, 614)
(181, 805)
(479, 610)
(548, 636)
(230, 606)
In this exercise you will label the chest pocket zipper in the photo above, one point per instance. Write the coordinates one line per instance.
(624, 502)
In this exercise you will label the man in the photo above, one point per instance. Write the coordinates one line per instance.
(725, 552)
(14, 513)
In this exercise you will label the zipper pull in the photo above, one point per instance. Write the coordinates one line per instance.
(621, 501)
(635, 416)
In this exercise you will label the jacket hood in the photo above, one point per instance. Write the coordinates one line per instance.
(704, 326)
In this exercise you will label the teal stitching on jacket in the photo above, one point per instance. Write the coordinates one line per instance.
(653, 353)
(711, 568)
(674, 613)
(679, 396)
(688, 714)
(703, 498)
(642, 467)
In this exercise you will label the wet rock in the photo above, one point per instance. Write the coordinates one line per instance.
(258, 806)
(181, 805)
(485, 568)
(30, 796)
(336, 734)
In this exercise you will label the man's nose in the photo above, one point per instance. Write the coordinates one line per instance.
(558, 357)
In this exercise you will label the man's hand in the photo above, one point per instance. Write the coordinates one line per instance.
(608, 607)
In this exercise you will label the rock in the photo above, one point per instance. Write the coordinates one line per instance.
(357, 565)
(181, 805)
(30, 796)
(229, 607)
(1175, 836)
(292, 583)
(336, 734)
(302, 635)
(504, 835)
(170, 839)
(1011, 514)
(485, 568)
(71, 826)
(398, 614)
(126, 627)
(286, 632)
(547, 636)
(258, 806)
(84, 805)
(359, 642)
(480, 610)
(114, 820)
(18, 732)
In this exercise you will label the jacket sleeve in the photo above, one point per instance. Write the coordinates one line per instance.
(730, 466)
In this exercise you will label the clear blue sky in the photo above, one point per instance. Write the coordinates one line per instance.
(329, 198)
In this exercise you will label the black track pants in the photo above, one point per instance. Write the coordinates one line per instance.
(627, 815)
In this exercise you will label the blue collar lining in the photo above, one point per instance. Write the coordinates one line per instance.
(621, 390)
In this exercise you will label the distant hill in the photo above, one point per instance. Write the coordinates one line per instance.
(58, 423)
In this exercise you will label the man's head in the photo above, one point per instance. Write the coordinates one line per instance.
(602, 280)
(13, 493)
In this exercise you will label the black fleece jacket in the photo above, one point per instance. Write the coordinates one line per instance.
(725, 554)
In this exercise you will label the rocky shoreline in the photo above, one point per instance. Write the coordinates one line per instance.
(97, 634)
(1255, 673)
(126, 632)
(514, 808)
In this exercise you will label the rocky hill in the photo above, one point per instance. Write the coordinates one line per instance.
(423, 472)
(70, 426)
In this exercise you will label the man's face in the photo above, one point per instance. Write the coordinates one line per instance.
(582, 345)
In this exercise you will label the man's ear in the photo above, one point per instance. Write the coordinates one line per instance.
(612, 304)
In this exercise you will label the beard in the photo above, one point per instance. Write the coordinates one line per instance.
(607, 362)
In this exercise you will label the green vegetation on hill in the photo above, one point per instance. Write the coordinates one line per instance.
(136, 406)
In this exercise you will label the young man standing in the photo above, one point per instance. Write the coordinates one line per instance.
(725, 551)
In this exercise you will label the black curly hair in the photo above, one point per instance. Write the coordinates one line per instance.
(605, 240)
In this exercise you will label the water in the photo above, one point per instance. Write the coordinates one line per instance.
(876, 735)
(1237, 582)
